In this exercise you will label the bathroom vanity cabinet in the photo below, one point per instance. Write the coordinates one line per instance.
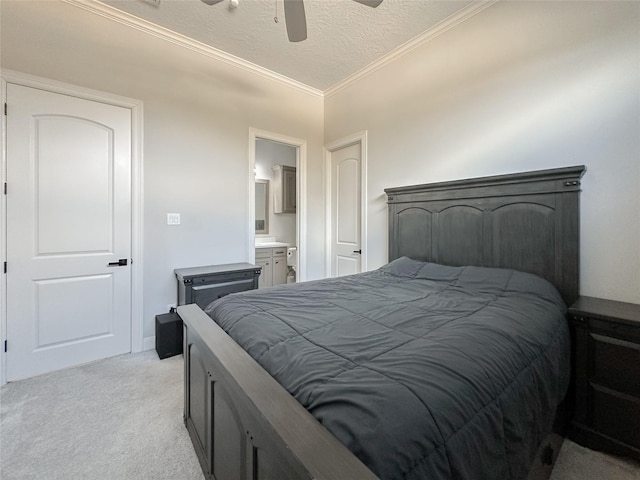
(273, 261)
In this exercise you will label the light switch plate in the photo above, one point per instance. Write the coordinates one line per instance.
(173, 219)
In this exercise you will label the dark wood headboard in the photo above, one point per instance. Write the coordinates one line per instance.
(524, 221)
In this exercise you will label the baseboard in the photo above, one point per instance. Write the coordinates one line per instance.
(149, 343)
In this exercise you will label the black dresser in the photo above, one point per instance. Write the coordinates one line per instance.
(203, 285)
(606, 366)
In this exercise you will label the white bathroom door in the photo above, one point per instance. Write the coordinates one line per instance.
(68, 231)
(346, 249)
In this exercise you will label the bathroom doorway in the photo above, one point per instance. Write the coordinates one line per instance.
(277, 199)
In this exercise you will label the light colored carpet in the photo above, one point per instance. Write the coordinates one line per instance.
(121, 419)
(578, 463)
(116, 419)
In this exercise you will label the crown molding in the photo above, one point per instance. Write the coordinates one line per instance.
(149, 28)
(428, 35)
(111, 13)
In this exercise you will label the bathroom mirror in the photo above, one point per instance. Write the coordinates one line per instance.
(262, 206)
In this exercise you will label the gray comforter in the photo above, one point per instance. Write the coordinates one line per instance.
(423, 371)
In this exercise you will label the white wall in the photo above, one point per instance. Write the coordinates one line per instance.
(197, 115)
(269, 154)
(520, 86)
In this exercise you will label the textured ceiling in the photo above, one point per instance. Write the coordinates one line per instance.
(343, 36)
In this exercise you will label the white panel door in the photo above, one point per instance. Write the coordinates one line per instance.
(345, 211)
(68, 217)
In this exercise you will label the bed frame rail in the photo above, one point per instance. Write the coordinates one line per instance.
(243, 424)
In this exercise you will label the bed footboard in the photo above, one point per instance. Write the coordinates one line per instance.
(243, 424)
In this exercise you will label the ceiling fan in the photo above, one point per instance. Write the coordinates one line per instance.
(295, 18)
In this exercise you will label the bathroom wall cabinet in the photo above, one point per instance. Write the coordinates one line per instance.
(284, 189)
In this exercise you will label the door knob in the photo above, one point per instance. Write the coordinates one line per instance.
(358, 251)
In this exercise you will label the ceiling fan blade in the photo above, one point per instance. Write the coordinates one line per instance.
(295, 19)
(368, 3)
(211, 2)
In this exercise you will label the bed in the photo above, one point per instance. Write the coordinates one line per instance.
(460, 254)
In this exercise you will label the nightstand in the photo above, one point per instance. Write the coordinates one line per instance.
(203, 285)
(606, 368)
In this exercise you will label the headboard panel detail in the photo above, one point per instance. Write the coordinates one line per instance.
(525, 221)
